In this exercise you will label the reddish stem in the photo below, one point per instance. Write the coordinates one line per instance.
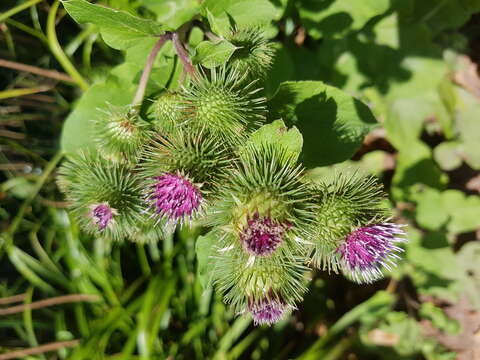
(182, 54)
(142, 85)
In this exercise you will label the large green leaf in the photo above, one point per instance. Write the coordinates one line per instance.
(173, 13)
(244, 13)
(332, 122)
(335, 17)
(212, 54)
(119, 29)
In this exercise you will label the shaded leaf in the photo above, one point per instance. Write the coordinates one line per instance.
(332, 122)
(335, 17)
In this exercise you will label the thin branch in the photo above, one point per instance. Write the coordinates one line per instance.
(12, 299)
(19, 354)
(182, 54)
(142, 85)
(36, 70)
(49, 302)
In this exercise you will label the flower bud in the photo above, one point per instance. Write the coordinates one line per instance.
(265, 202)
(120, 135)
(249, 282)
(224, 104)
(254, 54)
(105, 197)
(368, 249)
(261, 214)
(268, 310)
(345, 205)
(167, 112)
(180, 174)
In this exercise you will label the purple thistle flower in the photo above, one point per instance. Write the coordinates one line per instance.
(174, 197)
(102, 214)
(262, 235)
(267, 311)
(367, 249)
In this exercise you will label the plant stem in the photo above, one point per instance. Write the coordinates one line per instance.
(182, 54)
(57, 51)
(142, 85)
(53, 74)
(65, 299)
(17, 9)
(39, 349)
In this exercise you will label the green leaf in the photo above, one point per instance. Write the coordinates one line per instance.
(77, 130)
(244, 13)
(446, 14)
(205, 247)
(173, 13)
(416, 166)
(212, 54)
(430, 214)
(402, 331)
(463, 210)
(278, 134)
(438, 318)
(332, 122)
(119, 29)
(448, 155)
(336, 17)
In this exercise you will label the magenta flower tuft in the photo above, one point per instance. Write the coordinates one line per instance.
(267, 311)
(174, 197)
(367, 249)
(102, 215)
(262, 235)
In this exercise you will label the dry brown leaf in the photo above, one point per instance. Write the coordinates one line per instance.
(467, 343)
(468, 76)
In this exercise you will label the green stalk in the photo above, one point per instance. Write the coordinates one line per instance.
(34, 32)
(57, 51)
(17, 9)
(23, 208)
(379, 300)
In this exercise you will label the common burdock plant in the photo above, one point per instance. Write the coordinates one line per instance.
(202, 158)
(249, 282)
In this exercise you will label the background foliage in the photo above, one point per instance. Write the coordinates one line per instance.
(411, 61)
